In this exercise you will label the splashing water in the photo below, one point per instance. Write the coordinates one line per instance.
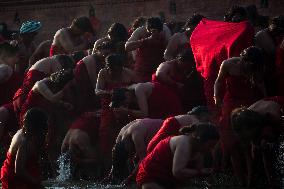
(280, 161)
(64, 172)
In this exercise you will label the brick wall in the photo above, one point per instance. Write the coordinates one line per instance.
(57, 15)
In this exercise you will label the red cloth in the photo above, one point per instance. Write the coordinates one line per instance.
(8, 88)
(148, 58)
(11, 181)
(30, 79)
(170, 127)
(157, 166)
(239, 92)
(54, 50)
(88, 123)
(163, 102)
(215, 41)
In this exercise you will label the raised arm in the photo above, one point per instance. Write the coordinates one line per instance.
(172, 47)
(162, 73)
(136, 39)
(101, 83)
(42, 88)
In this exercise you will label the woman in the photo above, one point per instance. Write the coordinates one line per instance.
(177, 159)
(21, 169)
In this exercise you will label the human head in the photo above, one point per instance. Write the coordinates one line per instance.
(114, 64)
(9, 54)
(205, 133)
(122, 97)
(61, 78)
(35, 123)
(65, 61)
(186, 59)
(247, 124)
(138, 22)
(29, 30)
(193, 21)
(236, 14)
(253, 63)
(104, 49)
(276, 26)
(201, 112)
(154, 24)
(117, 32)
(82, 25)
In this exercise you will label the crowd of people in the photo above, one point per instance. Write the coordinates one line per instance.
(155, 104)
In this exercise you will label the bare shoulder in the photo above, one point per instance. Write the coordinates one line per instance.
(261, 33)
(180, 140)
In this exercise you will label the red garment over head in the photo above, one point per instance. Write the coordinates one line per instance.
(31, 77)
(148, 58)
(157, 166)
(11, 181)
(54, 50)
(212, 42)
(8, 88)
(170, 127)
(163, 102)
(89, 123)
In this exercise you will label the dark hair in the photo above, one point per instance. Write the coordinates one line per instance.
(154, 23)
(233, 11)
(77, 56)
(276, 25)
(138, 22)
(118, 96)
(83, 23)
(114, 60)
(253, 62)
(8, 49)
(65, 61)
(105, 45)
(193, 21)
(61, 78)
(204, 131)
(186, 56)
(118, 32)
(35, 121)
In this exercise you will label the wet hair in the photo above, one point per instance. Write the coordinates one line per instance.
(6, 49)
(193, 21)
(154, 23)
(118, 32)
(77, 56)
(35, 122)
(253, 62)
(186, 56)
(114, 60)
(233, 11)
(83, 23)
(105, 45)
(138, 22)
(204, 131)
(276, 25)
(65, 61)
(244, 119)
(118, 96)
(61, 78)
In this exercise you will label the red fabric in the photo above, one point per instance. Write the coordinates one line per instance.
(8, 88)
(89, 123)
(239, 92)
(30, 79)
(54, 50)
(148, 58)
(170, 127)
(215, 41)
(163, 102)
(157, 166)
(11, 181)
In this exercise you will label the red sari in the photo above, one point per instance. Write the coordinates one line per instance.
(54, 50)
(10, 180)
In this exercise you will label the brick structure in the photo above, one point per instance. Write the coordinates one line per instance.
(55, 14)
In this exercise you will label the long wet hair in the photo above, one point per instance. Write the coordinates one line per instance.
(204, 131)
(83, 23)
(65, 61)
(118, 32)
(253, 63)
(154, 23)
(59, 79)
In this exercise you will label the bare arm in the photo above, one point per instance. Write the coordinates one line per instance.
(101, 83)
(135, 41)
(142, 101)
(140, 145)
(162, 73)
(42, 88)
(220, 82)
(172, 47)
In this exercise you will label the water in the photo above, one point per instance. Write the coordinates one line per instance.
(64, 172)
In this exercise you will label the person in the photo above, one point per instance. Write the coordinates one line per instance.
(181, 76)
(21, 169)
(69, 40)
(42, 51)
(236, 14)
(179, 158)
(258, 127)
(113, 76)
(41, 69)
(131, 141)
(142, 100)
(243, 78)
(116, 34)
(138, 22)
(150, 42)
(26, 44)
(180, 41)
(81, 141)
(172, 125)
